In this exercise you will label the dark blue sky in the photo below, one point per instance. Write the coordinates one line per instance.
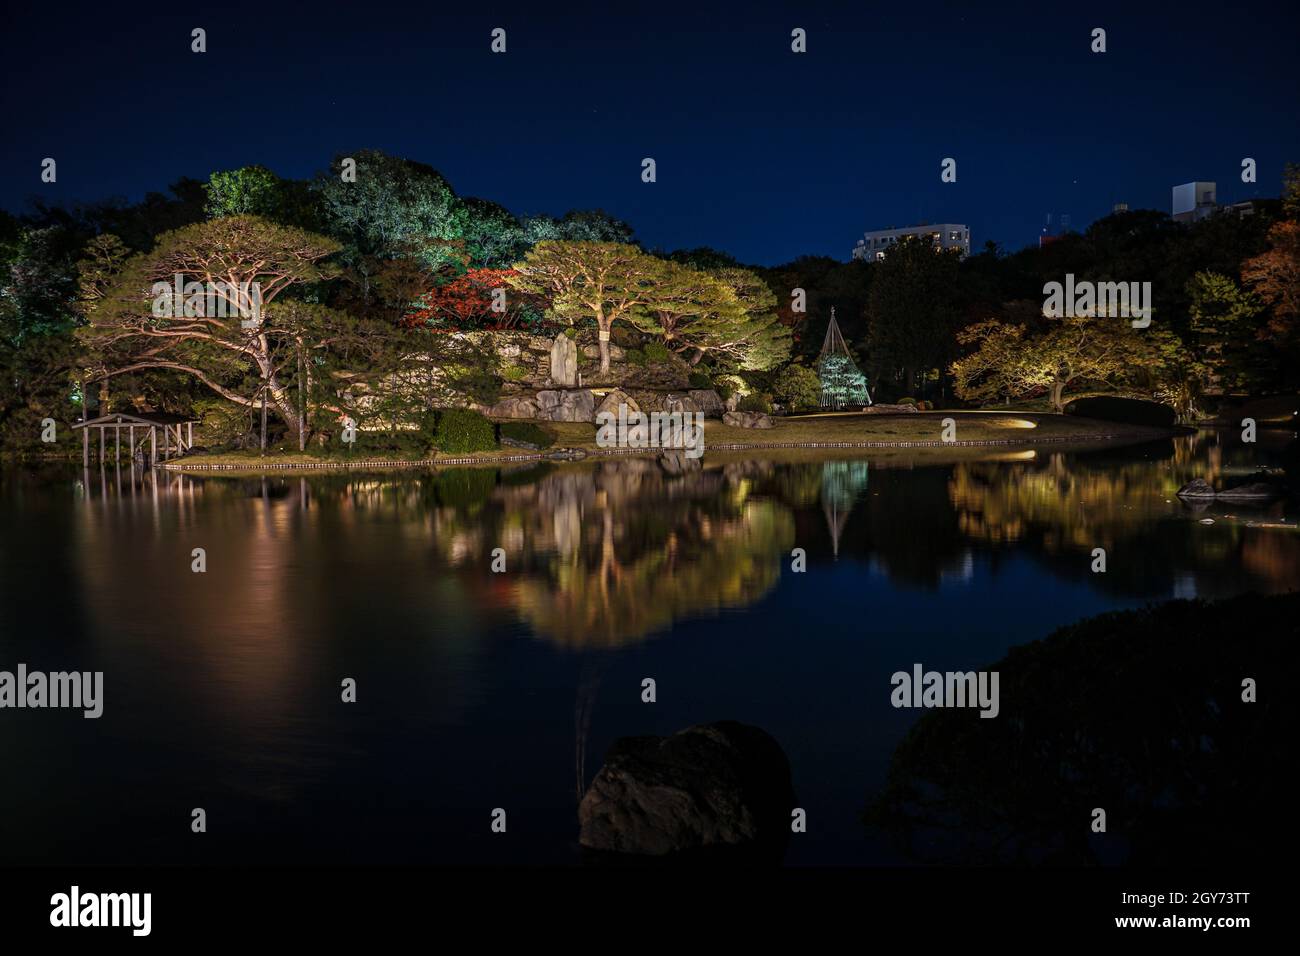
(761, 152)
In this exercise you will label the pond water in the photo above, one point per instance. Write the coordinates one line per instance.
(478, 690)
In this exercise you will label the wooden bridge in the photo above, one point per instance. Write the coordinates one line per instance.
(176, 433)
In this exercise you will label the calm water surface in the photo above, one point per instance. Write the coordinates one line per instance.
(479, 690)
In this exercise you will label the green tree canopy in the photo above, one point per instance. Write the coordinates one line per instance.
(252, 190)
(913, 311)
(604, 281)
(1053, 357)
(137, 323)
(395, 207)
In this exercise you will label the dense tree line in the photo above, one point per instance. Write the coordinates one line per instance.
(344, 263)
(365, 269)
(1225, 319)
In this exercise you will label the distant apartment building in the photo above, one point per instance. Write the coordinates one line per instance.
(1192, 202)
(942, 235)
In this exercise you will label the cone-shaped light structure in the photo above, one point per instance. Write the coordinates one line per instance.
(842, 381)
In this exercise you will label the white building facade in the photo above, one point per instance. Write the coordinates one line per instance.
(942, 235)
(1192, 202)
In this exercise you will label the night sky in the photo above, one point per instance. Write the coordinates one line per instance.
(761, 152)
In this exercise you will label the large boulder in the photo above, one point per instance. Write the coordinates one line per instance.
(1256, 491)
(613, 400)
(708, 401)
(518, 406)
(680, 403)
(719, 785)
(566, 405)
(747, 420)
(881, 408)
(1196, 488)
(564, 361)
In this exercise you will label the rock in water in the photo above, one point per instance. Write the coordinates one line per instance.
(1196, 488)
(1257, 491)
(564, 361)
(719, 785)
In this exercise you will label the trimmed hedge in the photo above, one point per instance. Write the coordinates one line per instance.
(462, 430)
(796, 386)
(755, 402)
(1127, 411)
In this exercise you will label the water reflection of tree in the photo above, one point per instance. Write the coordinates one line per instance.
(906, 526)
(621, 591)
(1139, 714)
(1061, 507)
(604, 554)
(842, 484)
(1058, 505)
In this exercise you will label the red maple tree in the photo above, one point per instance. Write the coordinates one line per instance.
(465, 303)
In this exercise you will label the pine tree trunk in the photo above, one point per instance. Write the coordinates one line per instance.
(603, 325)
(302, 418)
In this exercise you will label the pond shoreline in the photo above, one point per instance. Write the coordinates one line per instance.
(1121, 435)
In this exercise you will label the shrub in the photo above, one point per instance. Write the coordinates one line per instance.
(514, 373)
(571, 332)
(635, 357)
(1128, 411)
(462, 430)
(797, 387)
(529, 433)
(655, 352)
(700, 380)
(906, 401)
(756, 403)
(221, 423)
(426, 423)
(727, 385)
